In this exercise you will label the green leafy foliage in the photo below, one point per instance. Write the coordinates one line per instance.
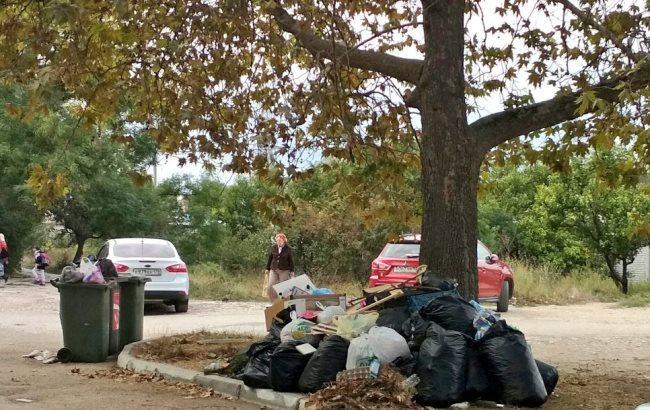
(596, 215)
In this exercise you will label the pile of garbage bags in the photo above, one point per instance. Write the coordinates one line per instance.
(458, 351)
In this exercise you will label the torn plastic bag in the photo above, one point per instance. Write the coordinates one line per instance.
(393, 318)
(324, 364)
(256, 372)
(511, 367)
(328, 314)
(286, 367)
(351, 326)
(415, 330)
(442, 368)
(387, 344)
(549, 375)
(452, 313)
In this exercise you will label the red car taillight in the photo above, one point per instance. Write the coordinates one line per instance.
(121, 268)
(380, 267)
(178, 268)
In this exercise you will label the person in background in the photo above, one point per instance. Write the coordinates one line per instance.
(279, 265)
(4, 258)
(39, 269)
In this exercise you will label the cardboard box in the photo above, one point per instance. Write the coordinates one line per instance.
(271, 311)
(312, 302)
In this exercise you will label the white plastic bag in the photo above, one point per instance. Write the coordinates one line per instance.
(327, 315)
(297, 329)
(86, 266)
(387, 344)
(360, 353)
(95, 276)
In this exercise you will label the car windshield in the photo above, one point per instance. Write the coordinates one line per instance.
(146, 250)
(401, 250)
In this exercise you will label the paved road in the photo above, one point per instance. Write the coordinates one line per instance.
(598, 337)
(29, 320)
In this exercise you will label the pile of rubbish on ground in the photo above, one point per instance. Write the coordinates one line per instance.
(396, 346)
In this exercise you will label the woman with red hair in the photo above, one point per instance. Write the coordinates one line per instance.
(279, 265)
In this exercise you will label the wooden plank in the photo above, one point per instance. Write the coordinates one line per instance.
(393, 295)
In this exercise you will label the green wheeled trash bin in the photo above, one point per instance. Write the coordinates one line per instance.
(131, 309)
(84, 310)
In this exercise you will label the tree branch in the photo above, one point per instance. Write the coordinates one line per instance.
(404, 69)
(582, 15)
(495, 129)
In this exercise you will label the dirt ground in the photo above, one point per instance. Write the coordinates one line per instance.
(601, 351)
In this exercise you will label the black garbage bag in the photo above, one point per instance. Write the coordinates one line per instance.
(549, 375)
(393, 318)
(274, 331)
(478, 384)
(286, 367)
(438, 283)
(107, 268)
(325, 363)
(406, 364)
(511, 367)
(442, 368)
(256, 372)
(414, 330)
(451, 312)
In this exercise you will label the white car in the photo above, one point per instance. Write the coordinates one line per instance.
(156, 259)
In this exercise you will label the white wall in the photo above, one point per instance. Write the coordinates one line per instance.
(639, 270)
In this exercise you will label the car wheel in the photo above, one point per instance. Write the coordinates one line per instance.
(181, 306)
(504, 297)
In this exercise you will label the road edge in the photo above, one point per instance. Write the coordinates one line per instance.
(223, 385)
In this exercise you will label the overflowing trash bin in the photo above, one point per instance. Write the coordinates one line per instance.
(99, 314)
(85, 312)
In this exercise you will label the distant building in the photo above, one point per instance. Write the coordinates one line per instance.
(639, 270)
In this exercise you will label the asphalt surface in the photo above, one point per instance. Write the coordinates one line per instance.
(599, 338)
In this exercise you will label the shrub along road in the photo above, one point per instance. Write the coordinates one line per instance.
(598, 348)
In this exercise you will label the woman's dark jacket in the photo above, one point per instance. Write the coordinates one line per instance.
(280, 261)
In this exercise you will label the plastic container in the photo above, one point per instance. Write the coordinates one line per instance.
(84, 311)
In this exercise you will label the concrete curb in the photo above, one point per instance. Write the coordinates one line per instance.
(224, 385)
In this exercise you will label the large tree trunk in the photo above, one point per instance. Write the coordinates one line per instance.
(450, 158)
(81, 241)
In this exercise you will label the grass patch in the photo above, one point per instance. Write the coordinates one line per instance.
(210, 281)
(533, 285)
(545, 285)
(638, 295)
(194, 350)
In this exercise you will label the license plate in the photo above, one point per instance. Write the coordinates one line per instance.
(147, 272)
(404, 269)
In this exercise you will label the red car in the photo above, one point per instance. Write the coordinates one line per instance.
(399, 260)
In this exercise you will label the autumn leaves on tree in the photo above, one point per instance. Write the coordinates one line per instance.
(359, 80)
